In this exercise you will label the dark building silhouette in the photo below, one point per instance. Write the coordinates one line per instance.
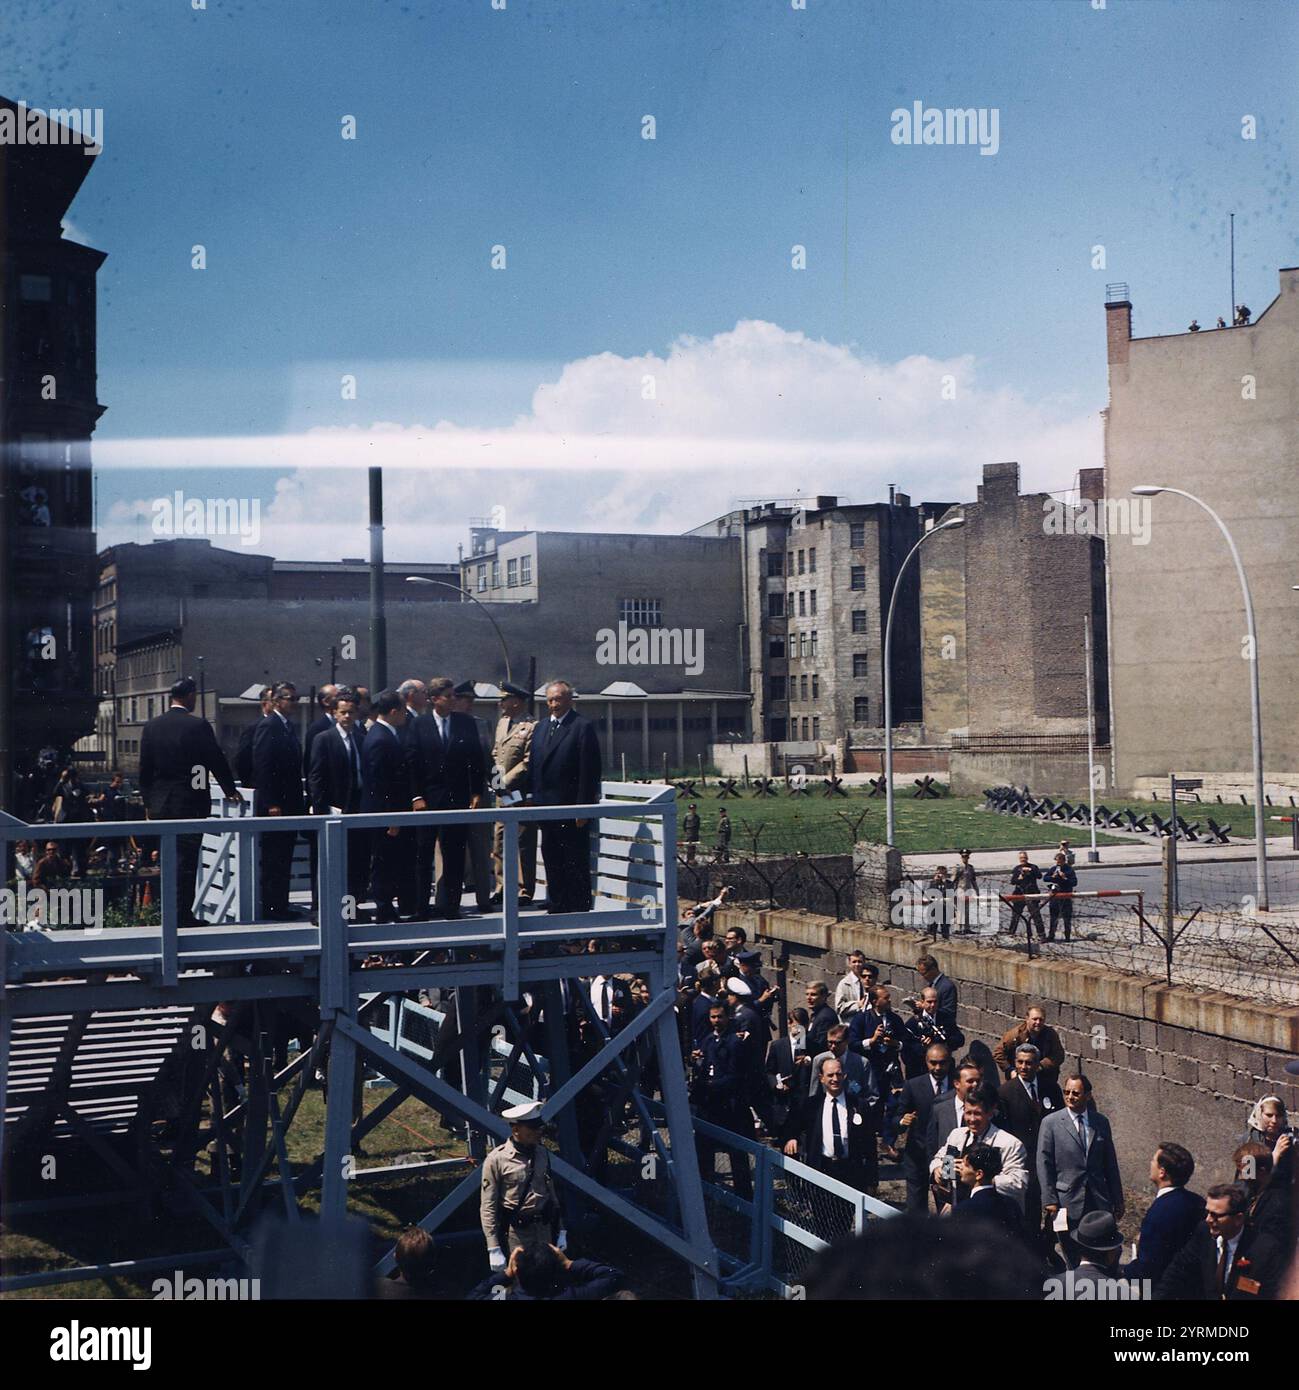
(48, 411)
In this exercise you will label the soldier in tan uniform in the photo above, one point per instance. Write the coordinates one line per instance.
(510, 776)
(519, 1205)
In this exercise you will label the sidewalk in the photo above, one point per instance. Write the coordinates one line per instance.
(1142, 852)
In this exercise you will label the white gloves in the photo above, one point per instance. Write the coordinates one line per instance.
(496, 1258)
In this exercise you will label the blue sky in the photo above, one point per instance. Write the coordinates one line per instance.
(1118, 127)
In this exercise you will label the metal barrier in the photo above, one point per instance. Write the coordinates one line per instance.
(796, 1211)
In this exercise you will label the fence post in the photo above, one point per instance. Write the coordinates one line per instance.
(168, 967)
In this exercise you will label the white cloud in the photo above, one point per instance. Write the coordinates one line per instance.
(757, 411)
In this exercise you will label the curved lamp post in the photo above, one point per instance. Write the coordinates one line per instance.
(1255, 709)
(888, 671)
(464, 593)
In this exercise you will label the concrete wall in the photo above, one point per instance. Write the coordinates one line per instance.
(1179, 416)
(1166, 1063)
(1047, 774)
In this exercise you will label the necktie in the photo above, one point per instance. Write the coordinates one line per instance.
(356, 765)
(1222, 1267)
(1082, 1131)
(838, 1131)
(1032, 1090)
(605, 1012)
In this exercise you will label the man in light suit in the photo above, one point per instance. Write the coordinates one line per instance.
(448, 773)
(947, 1113)
(565, 771)
(1077, 1167)
(511, 769)
(978, 1128)
(1172, 1218)
(833, 1132)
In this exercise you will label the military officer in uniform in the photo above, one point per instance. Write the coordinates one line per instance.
(718, 1092)
(510, 772)
(690, 832)
(723, 852)
(519, 1204)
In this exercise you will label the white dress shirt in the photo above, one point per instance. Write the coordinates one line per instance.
(827, 1125)
(1012, 1181)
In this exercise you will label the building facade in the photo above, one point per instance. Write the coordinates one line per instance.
(1214, 413)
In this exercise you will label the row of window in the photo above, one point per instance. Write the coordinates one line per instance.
(777, 685)
(801, 646)
(517, 572)
(811, 730)
(782, 562)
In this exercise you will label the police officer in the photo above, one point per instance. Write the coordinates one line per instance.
(717, 1091)
(511, 755)
(764, 993)
(723, 836)
(754, 1032)
(690, 832)
(519, 1204)
(1024, 878)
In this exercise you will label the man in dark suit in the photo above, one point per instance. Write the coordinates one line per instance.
(948, 1111)
(1225, 1259)
(478, 838)
(178, 753)
(277, 791)
(717, 1091)
(977, 1170)
(927, 969)
(1026, 1100)
(335, 782)
(565, 771)
(915, 1109)
(820, 1018)
(385, 786)
(447, 773)
(833, 1132)
(1173, 1217)
(788, 1063)
(325, 697)
(244, 754)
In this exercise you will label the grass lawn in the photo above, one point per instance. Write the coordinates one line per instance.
(821, 825)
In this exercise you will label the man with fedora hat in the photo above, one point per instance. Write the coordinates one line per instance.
(1099, 1244)
(511, 768)
(519, 1204)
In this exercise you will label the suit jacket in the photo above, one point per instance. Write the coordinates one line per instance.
(1069, 1178)
(314, 730)
(277, 768)
(385, 777)
(1048, 1044)
(780, 1064)
(818, 1026)
(945, 1115)
(172, 746)
(1172, 1220)
(804, 1124)
(510, 752)
(1020, 1116)
(330, 780)
(987, 1204)
(946, 992)
(446, 776)
(918, 1099)
(565, 770)
(1012, 1181)
(1193, 1272)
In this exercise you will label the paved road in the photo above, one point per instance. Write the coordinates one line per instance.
(1218, 884)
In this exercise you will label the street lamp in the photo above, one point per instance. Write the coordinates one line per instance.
(464, 593)
(888, 671)
(1255, 707)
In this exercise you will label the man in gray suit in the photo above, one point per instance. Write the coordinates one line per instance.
(1077, 1166)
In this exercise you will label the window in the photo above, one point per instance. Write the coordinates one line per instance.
(775, 564)
(812, 643)
(802, 687)
(859, 620)
(802, 644)
(35, 289)
(816, 726)
(496, 574)
(776, 687)
(857, 534)
(858, 580)
(816, 687)
(802, 603)
(811, 560)
(805, 728)
(861, 710)
(640, 612)
(525, 569)
(811, 607)
(776, 647)
(775, 605)
(789, 567)
(511, 574)
(859, 664)
(802, 562)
